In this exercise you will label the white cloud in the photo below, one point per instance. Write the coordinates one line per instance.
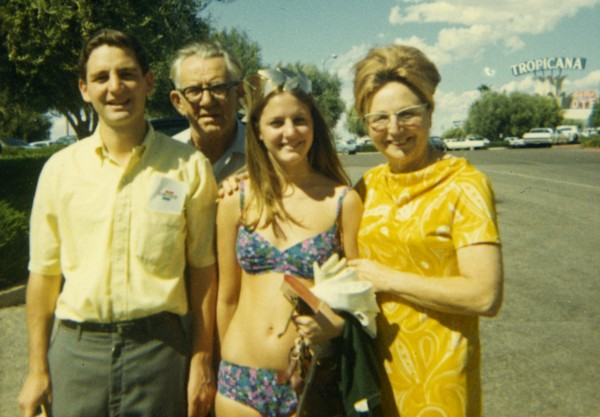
(472, 25)
(489, 72)
(344, 68)
(451, 108)
(454, 44)
(590, 82)
(525, 85)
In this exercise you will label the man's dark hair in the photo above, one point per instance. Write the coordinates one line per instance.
(116, 38)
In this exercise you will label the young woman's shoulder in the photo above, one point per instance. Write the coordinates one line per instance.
(230, 204)
(352, 200)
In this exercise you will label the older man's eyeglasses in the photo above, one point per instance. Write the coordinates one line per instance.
(408, 116)
(217, 91)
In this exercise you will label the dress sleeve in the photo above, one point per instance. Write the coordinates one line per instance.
(475, 212)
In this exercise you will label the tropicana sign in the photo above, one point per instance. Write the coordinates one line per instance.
(543, 64)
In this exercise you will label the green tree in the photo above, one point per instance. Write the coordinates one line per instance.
(42, 39)
(489, 116)
(529, 111)
(22, 122)
(594, 119)
(495, 115)
(239, 44)
(355, 124)
(454, 133)
(484, 88)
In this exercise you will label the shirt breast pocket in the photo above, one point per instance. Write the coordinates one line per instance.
(161, 232)
(161, 243)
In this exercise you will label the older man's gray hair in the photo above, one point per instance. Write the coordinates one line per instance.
(205, 50)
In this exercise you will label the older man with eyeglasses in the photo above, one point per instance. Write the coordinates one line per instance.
(206, 77)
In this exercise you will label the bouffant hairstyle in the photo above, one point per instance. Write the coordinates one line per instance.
(401, 63)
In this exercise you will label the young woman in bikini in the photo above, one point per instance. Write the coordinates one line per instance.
(295, 208)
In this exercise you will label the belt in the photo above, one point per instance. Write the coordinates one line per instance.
(144, 324)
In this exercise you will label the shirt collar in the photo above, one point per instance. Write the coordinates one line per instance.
(239, 141)
(102, 153)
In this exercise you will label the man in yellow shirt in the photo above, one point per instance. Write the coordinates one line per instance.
(120, 216)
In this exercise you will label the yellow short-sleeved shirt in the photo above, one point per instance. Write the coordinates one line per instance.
(415, 222)
(122, 236)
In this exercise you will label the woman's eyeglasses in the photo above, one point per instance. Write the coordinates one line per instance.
(412, 115)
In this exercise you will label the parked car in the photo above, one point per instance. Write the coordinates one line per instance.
(353, 141)
(590, 132)
(6, 143)
(515, 142)
(64, 140)
(437, 142)
(567, 133)
(539, 136)
(363, 141)
(346, 148)
(41, 144)
(471, 143)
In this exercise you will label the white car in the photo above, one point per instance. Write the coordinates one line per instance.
(363, 141)
(539, 136)
(41, 143)
(471, 143)
(590, 132)
(346, 148)
(567, 134)
(515, 142)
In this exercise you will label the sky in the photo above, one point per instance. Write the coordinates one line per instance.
(472, 42)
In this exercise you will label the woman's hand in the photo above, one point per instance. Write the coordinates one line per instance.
(374, 272)
(475, 290)
(320, 327)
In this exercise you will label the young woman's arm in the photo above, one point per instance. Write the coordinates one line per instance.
(327, 324)
(228, 218)
(352, 211)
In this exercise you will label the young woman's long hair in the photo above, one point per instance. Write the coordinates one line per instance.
(266, 178)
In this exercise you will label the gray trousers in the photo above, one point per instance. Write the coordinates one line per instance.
(141, 373)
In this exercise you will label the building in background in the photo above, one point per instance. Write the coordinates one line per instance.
(549, 75)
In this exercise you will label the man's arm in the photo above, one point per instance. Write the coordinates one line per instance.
(42, 293)
(203, 295)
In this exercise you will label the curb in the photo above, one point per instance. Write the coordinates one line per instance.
(12, 297)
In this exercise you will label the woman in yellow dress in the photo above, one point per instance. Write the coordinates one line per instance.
(428, 242)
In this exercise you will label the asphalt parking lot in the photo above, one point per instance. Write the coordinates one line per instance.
(540, 355)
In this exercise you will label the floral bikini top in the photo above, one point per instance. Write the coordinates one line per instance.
(256, 254)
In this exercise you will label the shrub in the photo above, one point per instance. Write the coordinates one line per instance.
(14, 246)
(591, 142)
(19, 171)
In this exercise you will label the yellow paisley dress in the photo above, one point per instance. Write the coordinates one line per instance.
(415, 222)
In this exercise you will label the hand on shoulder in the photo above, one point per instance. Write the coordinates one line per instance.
(231, 184)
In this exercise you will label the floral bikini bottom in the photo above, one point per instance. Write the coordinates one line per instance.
(257, 388)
